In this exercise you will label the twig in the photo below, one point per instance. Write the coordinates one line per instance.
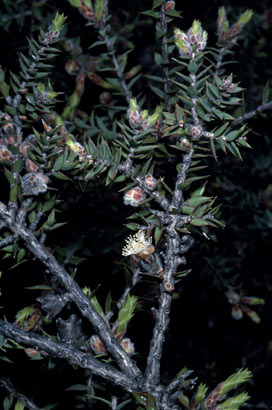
(252, 113)
(68, 352)
(83, 303)
(165, 59)
(10, 388)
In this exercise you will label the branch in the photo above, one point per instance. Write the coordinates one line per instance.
(10, 388)
(76, 295)
(252, 113)
(68, 352)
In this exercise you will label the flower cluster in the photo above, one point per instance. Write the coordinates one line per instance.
(193, 42)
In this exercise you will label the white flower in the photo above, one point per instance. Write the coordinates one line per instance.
(136, 244)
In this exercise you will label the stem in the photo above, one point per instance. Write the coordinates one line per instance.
(165, 59)
(68, 352)
(252, 113)
(76, 295)
(172, 261)
(220, 60)
(10, 388)
(118, 71)
(135, 278)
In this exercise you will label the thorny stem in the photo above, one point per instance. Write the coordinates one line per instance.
(68, 352)
(165, 59)
(252, 113)
(10, 388)
(76, 295)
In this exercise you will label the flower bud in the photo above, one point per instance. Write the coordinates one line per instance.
(150, 181)
(31, 166)
(222, 25)
(196, 132)
(134, 196)
(30, 352)
(169, 5)
(5, 154)
(34, 183)
(105, 98)
(71, 67)
(97, 345)
(128, 346)
(185, 144)
(236, 312)
(147, 252)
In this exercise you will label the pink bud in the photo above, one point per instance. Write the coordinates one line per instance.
(134, 196)
(150, 181)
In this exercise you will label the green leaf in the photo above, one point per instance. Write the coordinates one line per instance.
(188, 210)
(32, 216)
(198, 200)
(234, 402)
(232, 135)
(157, 234)
(266, 93)
(18, 165)
(77, 387)
(5, 89)
(132, 226)
(9, 176)
(157, 91)
(19, 405)
(221, 143)
(200, 393)
(242, 376)
(213, 148)
(157, 3)
(122, 405)
(192, 67)
(58, 163)
(199, 191)
(126, 313)
(60, 175)
(13, 193)
(151, 13)
(7, 402)
(199, 222)
(108, 303)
